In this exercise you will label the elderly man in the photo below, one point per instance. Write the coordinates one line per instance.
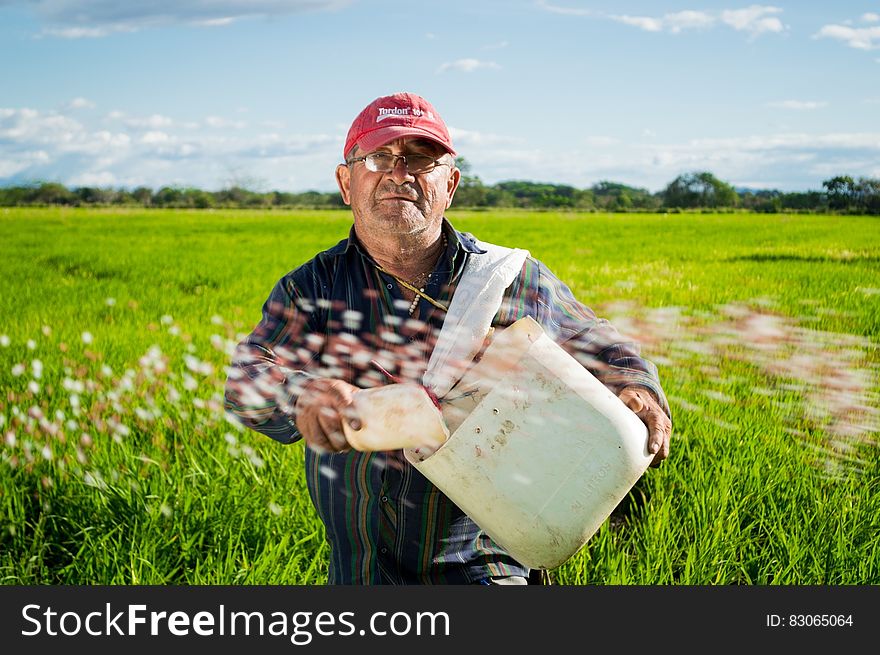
(382, 294)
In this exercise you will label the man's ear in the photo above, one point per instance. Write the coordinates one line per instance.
(343, 181)
(452, 185)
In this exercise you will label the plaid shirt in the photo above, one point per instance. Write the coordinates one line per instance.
(335, 314)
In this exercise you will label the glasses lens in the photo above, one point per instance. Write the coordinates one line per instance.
(384, 162)
(380, 162)
(419, 163)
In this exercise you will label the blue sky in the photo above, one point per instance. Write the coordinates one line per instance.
(261, 92)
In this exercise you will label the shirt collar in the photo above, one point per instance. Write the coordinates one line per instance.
(464, 240)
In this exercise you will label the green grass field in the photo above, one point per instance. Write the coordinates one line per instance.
(118, 466)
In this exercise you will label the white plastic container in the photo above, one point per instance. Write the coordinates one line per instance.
(394, 417)
(541, 452)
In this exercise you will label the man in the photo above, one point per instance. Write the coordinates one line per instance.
(371, 307)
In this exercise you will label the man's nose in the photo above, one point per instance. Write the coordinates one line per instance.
(399, 173)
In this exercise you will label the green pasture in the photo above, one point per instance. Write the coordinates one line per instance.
(118, 465)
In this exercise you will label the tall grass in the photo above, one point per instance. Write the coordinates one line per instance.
(118, 465)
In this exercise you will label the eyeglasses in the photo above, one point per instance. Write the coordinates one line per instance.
(385, 162)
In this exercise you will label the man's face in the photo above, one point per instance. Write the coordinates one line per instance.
(398, 202)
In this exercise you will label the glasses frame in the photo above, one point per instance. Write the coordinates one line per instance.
(435, 162)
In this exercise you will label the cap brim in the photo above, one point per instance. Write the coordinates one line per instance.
(372, 140)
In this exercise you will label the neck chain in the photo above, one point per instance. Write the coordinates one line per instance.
(420, 292)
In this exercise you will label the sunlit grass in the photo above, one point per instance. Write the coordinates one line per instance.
(118, 465)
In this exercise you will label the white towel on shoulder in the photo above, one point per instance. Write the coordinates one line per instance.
(474, 305)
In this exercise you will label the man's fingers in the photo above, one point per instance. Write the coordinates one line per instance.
(331, 426)
(350, 415)
(659, 429)
(643, 404)
(633, 401)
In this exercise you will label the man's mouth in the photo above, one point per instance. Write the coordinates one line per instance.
(399, 197)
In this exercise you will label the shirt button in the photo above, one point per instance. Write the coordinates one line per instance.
(388, 285)
(384, 499)
(383, 550)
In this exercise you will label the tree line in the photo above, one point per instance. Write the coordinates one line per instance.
(690, 191)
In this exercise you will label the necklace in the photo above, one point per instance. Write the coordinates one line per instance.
(420, 292)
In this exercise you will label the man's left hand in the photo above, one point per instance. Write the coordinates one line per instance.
(643, 403)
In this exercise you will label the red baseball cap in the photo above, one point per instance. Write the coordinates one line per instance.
(395, 116)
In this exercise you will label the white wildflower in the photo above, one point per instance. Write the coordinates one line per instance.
(17, 370)
(87, 338)
(4, 340)
(31, 344)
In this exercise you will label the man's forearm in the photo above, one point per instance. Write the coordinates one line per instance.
(262, 394)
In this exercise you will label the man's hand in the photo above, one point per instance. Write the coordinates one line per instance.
(319, 411)
(643, 403)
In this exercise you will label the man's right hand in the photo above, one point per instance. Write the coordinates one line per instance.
(319, 410)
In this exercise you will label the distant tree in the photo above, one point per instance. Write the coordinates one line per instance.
(143, 196)
(613, 196)
(699, 189)
(52, 193)
(471, 192)
(841, 191)
(867, 192)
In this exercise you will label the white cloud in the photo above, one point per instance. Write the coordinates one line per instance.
(97, 179)
(217, 22)
(566, 11)
(93, 19)
(861, 38)
(152, 122)
(790, 161)
(155, 137)
(797, 104)
(601, 141)
(155, 151)
(218, 122)
(674, 22)
(467, 65)
(81, 103)
(870, 18)
(496, 46)
(642, 22)
(470, 138)
(755, 19)
(84, 32)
